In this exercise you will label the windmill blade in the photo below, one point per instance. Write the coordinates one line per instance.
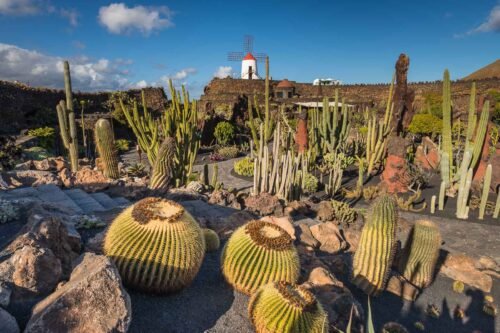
(235, 56)
(248, 43)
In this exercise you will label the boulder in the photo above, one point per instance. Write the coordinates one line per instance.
(93, 300)
(24, 166)
(91, 180)
(264, 204)
(320, 277)
(329, 237)
(66, 177)
(5, 293)
(297, 208)
(57, 163)
(460, 267)
(42, 165)
(33, 178)
(305, 236)
(395, 178)
(224, 198)
(195, 186)
(96, 243)
(427, 155)
(8, 323)
(325, 211)
(352, 236)
(283, 222)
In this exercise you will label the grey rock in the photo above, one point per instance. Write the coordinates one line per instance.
(5, 293)
(8, 323)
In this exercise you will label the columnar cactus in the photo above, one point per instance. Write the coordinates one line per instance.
(67, 124)
(257, 253)
(105, 143)
(156, 245)
(421, 253)
(486, 191)
(281, 307)
(373, 259)
(446, 135)
(163, 166)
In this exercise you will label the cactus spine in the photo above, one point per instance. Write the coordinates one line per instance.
(258, 253)
(156, 245)
(106, 147)
(286, 308)
(447, 143)
(67, 124)
(373, 259)
(421, 254)
(163, 166)
(486, 191)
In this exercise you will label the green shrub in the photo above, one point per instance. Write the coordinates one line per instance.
(36, 153)
(228, 152)
(244, 167)
(45, 135)
(122, 145)
(433, 104)
(425, 124)
(310, 183)
(224, 132)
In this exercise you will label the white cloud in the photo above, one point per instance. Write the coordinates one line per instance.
(118, 18)
(21, 7)
(141, 84)
(492, 23)
(179, 76)
(39, 69)
(223, 72)
(71, 15)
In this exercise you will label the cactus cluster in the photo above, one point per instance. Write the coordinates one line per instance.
(105, 143)
(421, 253)
(163, 166)
(257, 253)
(343, 213)
(281, 307)
(156, 245)
(373, 259)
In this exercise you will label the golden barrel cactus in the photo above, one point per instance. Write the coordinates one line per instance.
(156, 245)
(258, 253)
(212, 241)
(281, 307)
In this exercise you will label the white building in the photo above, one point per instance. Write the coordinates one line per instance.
(249, 68)
(327, 82)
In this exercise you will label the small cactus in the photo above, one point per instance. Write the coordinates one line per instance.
(258, 253)
(373, 259)
(458, 286)
(419, 326)
(281, 307)
(433, 311)
(490, 309)
(156, 245)
(212, 241)
(105, 143)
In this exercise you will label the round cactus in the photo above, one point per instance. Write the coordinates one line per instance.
(156, 245)
(258, 253)
(281, 307)
(212, 241)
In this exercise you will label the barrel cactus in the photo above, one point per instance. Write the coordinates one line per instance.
(156, 245)
(281, 307)
(373, 259)
(421, 254)
(105, 143)
(212, 241)
(258, 253)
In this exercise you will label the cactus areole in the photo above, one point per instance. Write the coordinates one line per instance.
(269, 235)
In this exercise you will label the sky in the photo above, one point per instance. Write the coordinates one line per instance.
(133, 44)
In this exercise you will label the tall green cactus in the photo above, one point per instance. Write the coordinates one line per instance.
(486, 191)
(67, 124)
(480, 134)
(373, 259)
(446, 132)
(463, 193)
(163, 173)
(105, 143)
(421, 253)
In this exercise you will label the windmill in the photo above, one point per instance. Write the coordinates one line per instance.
(248, 59)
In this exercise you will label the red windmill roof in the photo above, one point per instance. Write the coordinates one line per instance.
(249, 56)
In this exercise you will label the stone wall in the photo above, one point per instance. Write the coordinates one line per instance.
(23, 107)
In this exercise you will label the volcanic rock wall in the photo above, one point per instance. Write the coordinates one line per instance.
(23, 107)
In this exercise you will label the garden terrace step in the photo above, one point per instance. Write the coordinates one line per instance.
(87, 203)
(121, 201)
(53, 194)
(105, 200)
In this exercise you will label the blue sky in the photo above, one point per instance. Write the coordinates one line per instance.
(135, 43)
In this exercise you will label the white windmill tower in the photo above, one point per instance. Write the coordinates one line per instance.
(248, 59)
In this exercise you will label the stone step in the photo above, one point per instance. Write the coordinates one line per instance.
(18, 193)
(53, 194)
(105, 200)
(84, 201)
(121, 201)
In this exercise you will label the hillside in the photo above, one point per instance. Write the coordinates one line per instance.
(487, 72)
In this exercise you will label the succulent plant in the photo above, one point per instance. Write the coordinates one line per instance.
(421, 253)
(8, 211)
(244, 167)
(373, 259)
(310, 183)
(212, 241)
(258, 253)
(458, 286)
(156, 245)
(163, 167)
(228, 152)
(105, 143)
(281, 307)
(343, 213)
(490, 309)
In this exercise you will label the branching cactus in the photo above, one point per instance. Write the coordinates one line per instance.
(105, 142)
(421, 254)
(163, 167)
(373, 259)
(157, 246)
(258, 253)
(281, 307)
(67, 124)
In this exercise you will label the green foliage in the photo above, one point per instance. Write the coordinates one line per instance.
(113, 105)
(345, 160)
(310, 183)
(432, 104)
(228, 152)
(9, 152)
(274, 258)
(136, 170)
(35, 153)
(288, 308)
(224, 132)
(8, 211)
(495, 95)
(167, 242)
(244, 167)
(343, 213)
(425, 124)
(122, 145)
(45, 135)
